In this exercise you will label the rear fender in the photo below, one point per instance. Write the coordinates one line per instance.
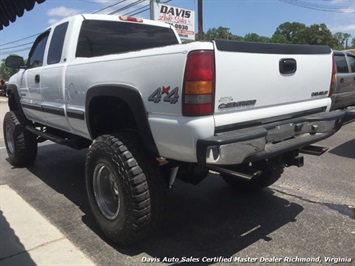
(134, 100)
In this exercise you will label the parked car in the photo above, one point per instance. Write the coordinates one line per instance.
(3, 86)
(344, 91)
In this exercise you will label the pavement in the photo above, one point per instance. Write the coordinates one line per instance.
(27, 238)
(45, 218)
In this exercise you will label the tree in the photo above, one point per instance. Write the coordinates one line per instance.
(291, 31)
(347, 37)
(6, 72)
(219, 33)
(278, 38)
(318, 34)
(299, 33)
(253, 37)
(343, 40)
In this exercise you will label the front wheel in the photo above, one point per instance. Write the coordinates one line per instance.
(125, 188)
(21, 145)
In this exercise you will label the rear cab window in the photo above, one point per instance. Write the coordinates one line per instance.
(123, 37)
(351, 60)
(56, 45)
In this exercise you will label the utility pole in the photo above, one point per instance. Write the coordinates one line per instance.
(200, 20)
(152, 8)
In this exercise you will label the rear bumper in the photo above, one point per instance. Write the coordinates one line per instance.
(261, 142)
(350, 112)
(343, 100)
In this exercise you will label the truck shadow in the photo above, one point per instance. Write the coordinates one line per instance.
(12, 251)
(205, 220)
(212, 220)
(346, 149)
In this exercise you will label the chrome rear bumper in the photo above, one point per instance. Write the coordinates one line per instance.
(269, 140)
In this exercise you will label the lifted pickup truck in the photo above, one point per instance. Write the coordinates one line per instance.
(152, 109)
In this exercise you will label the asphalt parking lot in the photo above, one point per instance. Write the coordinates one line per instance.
(308, 214)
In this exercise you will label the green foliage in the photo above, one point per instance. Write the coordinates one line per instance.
(343, 40)
(293, 33)
(253, 37)
(6, 72)
(217, 34)
(318, 34)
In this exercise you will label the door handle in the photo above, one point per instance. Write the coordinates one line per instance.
(37, 79)
(287, 66)
(341, 80)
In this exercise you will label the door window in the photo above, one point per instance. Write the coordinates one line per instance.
(36, 56)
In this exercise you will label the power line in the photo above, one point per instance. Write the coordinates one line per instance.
(137, 11)
(16, 46)
(142, 9)
(109, 6)
(317, 6)
(34, 35)
(15, 51)
(126, 7)
(131, 13)
(90, 2)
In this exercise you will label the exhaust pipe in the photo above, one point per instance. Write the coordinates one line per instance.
(246, 176)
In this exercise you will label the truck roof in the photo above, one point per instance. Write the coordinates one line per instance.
(342, 52)
(118, 18)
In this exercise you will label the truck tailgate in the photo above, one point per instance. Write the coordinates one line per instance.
(252, 76)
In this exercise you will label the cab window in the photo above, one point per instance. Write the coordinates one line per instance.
(352, 63)
(99, 38)
(56, 46)
(36, 56)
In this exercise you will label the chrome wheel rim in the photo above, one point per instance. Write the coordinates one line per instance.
(10, 140)
(106, 191)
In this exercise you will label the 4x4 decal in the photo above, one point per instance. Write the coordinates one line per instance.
(171, 96)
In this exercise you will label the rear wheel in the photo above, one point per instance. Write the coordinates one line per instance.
(125, 188)
(21, 145)
(271, 172)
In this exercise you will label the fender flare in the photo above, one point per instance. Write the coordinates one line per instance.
(134, 100)
(14, 100)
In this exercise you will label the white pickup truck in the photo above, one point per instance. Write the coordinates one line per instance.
(152, 109)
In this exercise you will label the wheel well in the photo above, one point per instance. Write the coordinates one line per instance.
(110, 115)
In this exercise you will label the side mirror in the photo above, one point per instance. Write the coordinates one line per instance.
(15, 61)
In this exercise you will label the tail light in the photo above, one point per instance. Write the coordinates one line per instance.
(333, 80)
(199, 82)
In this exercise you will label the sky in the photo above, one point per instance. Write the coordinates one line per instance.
(240, 16)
